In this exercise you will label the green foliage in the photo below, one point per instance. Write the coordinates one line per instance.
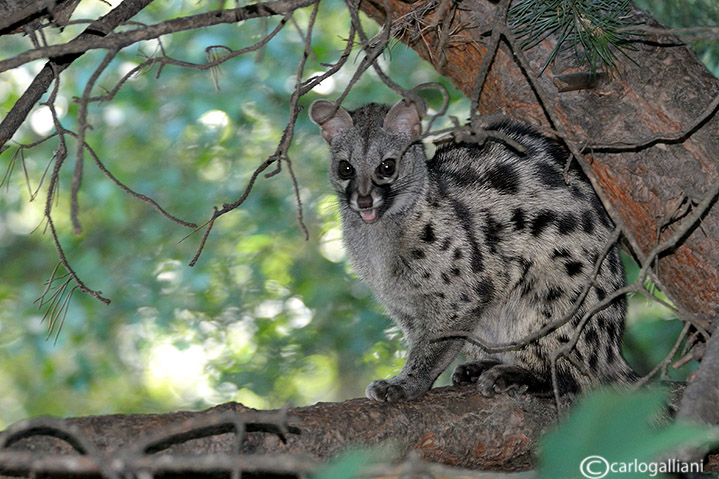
(619, 428)
(651, 330)
(349, 465)
(594, 30)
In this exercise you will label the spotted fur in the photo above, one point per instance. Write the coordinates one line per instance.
(479, 239)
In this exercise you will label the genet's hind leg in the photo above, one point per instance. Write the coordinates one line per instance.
(511, 379)
(469, 373)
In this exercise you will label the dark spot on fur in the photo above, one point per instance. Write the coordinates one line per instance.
(561, 253)
(591, 336)
(455, 271)
(541, 221)
(466, 219)
(426, 275)
(588, 222)
(477, 263)
(503, 178)
(549, 175)
(553, 293)
(445, 244)
(518, 219)
(526, 264)
(485, 290)
(440, 295)
(563, 338)
(445, 278)
(417, 254)
(547, 314)
(527, 287)
(464, 297)
(613, 330)
(599, 209)
(601, 294)
(593, 360)
(492, 233)
(573, 267)
(611, 356)
(566, 382)
(614, 262)
(427, 234)
(567, 223)
(458, 254)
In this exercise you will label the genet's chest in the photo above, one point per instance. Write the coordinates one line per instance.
(412, 272)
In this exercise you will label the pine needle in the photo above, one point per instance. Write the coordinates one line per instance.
(596, 30)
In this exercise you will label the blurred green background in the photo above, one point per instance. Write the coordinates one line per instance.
(265, 317)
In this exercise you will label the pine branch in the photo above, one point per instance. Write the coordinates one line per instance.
(596, 30)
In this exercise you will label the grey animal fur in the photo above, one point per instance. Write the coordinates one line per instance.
(480, 239)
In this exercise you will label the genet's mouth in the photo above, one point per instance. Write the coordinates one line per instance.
(368, 216)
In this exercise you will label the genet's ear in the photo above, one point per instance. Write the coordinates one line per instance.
(405, 117)
(331, 122)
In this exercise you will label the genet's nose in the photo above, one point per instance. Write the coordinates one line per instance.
(364, 201)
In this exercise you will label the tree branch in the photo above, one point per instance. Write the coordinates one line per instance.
(115, 40)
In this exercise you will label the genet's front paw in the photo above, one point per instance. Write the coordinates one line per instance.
(394, 390)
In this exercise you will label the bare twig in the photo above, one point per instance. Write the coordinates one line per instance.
(81, 127)
(119, 40)
(662, 366)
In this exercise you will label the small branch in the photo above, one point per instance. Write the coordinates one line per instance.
(135, 194)
(209, 65)
(121, 40)
(226, 208)
(662, 366)
(81, 128)
(66, 265)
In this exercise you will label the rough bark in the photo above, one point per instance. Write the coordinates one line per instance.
(662, 92)
(17, 14)
(454, 426)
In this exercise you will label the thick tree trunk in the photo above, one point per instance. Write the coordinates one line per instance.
(660, 93)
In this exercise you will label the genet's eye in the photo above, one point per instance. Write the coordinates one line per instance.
(387, 168)
(345, 170)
